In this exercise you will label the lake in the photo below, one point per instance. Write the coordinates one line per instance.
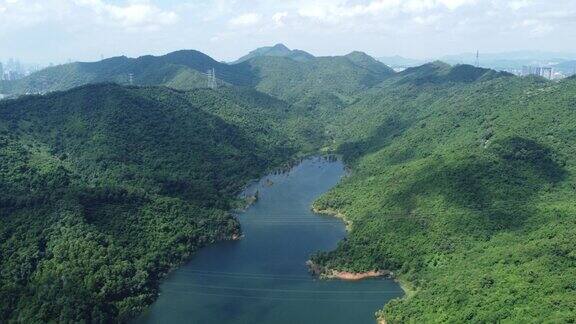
(263, 278)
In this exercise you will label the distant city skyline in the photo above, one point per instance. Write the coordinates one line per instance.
(86, 30)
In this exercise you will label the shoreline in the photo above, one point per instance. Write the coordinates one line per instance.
(408, 289)
(333, 213)
(324, 273)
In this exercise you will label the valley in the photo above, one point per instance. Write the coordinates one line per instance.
(461, 182)
(264, 273)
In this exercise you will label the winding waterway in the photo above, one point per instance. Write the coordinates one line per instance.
(263, 278)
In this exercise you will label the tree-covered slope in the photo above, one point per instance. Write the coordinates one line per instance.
(463, 185)
(313, 82)
(462, 181)
(375, 117)
(181, 69)
(105, 188)
(322, 85)
(266, 120)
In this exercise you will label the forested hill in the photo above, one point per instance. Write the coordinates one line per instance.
(436, 73)
(180, 69)
(375, 118)
(322, 85)
(105, 188)
(313, 81)
(462, 181)
(463, 185)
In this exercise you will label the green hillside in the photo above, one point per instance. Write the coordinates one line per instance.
(462, 180)
(105, 188)
(181, 70)
(462, 184)
(313, 83)
(269, 121)
(322, 85)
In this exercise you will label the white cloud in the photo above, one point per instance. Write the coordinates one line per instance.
(455, 4)
(426, 5)
(519, 4)
(16, 14)
(245, 20)
(535, 27)
(418, 5)
(321, 26)
(337, 10)
(427, 20)
(133, 15)
(279, 18)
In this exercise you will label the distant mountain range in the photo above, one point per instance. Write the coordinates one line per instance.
(567, 67)
(400, 62)
(180, 69)
(540, 56)
(511, 60)
(263, 68)
(499, 61)
(278, 71)
(277, 50)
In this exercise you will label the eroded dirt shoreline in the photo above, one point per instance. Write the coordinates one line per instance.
(326, 273)
(344, 275)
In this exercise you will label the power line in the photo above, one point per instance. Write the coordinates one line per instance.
(243, 274)
(232, 276)
(306, 291)
(277, 298)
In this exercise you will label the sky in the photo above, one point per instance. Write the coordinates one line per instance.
(44, 31)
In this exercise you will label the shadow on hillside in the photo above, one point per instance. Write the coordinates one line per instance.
(439, 73)
(380, 137)
(494, 189)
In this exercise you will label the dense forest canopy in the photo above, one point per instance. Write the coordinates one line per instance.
(462, 179)
(466, 190)
(105, 188)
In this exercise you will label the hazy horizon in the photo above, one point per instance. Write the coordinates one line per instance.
(86, 30)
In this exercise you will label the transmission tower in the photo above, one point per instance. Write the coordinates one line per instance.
(211, 82)
(131, 78)
(477, 59)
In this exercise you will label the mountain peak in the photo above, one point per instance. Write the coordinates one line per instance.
(368, 62)
(438, 72)
(281, 46)
(357, 54)
(278, 50)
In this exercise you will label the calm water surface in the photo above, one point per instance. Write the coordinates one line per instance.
(263, 278)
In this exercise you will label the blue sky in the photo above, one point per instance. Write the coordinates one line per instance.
(56, 30)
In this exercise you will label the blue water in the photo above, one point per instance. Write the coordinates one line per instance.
(263, 278)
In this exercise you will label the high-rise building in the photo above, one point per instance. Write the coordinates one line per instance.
(1, 72)
(547, 72)
(14, 75)
(527, 70)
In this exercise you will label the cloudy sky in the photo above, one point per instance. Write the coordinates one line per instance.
(45, 31)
